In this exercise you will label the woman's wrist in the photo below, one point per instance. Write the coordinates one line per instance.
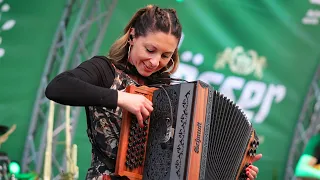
(120, 98)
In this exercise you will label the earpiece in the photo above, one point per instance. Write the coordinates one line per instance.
(131, 37)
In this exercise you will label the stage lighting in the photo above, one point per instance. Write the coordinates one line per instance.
(179, 0)
(14, 167)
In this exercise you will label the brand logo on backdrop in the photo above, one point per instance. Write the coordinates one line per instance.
(6, 24)
(241, 62)
(256, 96)
(312, 15)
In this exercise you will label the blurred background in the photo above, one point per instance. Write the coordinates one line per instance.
(264, 55)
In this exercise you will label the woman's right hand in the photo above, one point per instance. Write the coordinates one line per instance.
(137, 104)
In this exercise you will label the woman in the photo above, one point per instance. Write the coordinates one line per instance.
(146, 53)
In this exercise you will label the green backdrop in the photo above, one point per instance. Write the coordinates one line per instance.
(26, 43)
(261, 54)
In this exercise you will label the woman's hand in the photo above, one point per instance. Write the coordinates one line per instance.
(252, 171)
(137, 104)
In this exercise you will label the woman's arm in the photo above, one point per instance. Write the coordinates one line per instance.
(86, 85)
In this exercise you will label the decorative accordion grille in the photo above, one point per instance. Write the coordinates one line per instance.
(160, 154)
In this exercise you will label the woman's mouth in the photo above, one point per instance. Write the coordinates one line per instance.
(148, 69)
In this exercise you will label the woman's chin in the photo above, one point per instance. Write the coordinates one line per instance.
(145, 73)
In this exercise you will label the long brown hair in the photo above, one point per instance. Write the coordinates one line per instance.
(148, 19)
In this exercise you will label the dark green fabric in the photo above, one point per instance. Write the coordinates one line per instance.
(313, 147)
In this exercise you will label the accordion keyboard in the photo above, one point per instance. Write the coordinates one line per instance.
(137, 143)
(133, 140)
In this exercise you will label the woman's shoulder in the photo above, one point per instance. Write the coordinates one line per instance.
(101, 62)
(97, 59)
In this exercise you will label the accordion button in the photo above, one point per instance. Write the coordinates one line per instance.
(131, 133)
(136, 164)
(137, 125)
(145, 128)
(131, 139)
(136, 131)
(144, 133)
(145, 122)
(254, 144)
(251, 152)
(132, 128)
(141, 147)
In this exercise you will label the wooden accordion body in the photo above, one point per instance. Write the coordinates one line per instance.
(193, 133)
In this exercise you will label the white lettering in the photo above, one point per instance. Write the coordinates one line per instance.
(231, 83)
(276, 92)
(251, 97)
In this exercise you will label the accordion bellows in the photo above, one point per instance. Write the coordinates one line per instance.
(193, 133)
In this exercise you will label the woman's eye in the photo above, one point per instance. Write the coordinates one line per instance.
(164, 56)
(149, 50)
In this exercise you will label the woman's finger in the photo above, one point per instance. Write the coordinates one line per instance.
(148, 107)
(257, 157)
(251, 174)
(254, 168)
(139, 118)
(145, 113)
(148, 101)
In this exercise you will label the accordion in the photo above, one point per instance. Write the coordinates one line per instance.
(194, 132)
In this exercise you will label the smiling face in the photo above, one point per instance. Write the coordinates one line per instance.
(152, 52)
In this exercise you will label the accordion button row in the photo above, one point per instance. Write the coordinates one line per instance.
(137, 143)
(254, 145)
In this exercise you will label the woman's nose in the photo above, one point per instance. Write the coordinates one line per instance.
(154, 62)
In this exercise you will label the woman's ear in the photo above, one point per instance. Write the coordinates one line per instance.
(131, 36)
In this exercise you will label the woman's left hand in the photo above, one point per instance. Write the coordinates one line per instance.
(252, 171)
